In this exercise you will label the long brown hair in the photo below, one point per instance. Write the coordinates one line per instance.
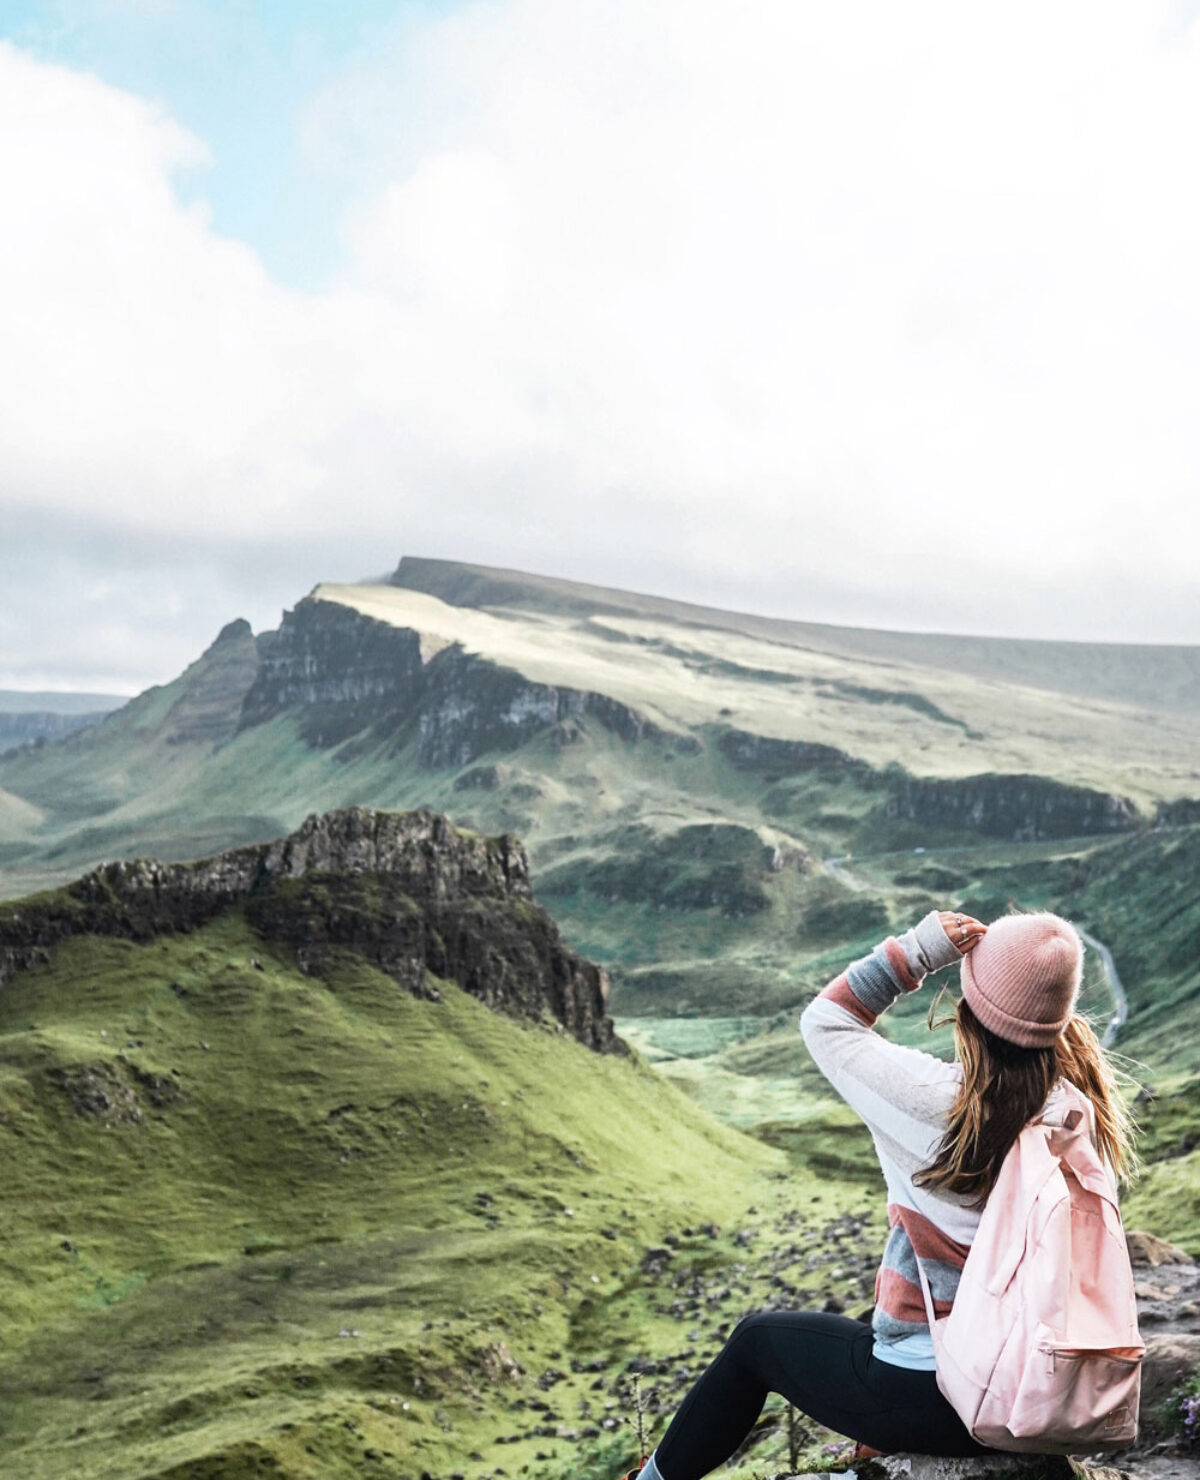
(1004, 1087)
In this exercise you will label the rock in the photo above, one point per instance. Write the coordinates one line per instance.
(775, 759)
(1168, 1296)
(1148, 1249)
(1170, 1355)
(496, 1363)
(993, 1466)
(407, 890)
(346, 673)
(99, 1090)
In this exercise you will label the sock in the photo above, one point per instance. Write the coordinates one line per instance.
(650, 1471)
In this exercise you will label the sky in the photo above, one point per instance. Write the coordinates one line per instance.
(860, 313)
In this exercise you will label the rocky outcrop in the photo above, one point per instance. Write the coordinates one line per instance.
(207, 711)
(114, 1091)
(1016, 808)
(1167, 1284)
(776, 760)
(345, 674)
(406, 890)
(982, 1467)
(1183, 812)
(342, 669)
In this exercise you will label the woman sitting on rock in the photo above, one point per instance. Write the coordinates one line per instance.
(941, 1131)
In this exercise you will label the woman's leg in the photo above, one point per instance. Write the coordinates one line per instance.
(824, 1366)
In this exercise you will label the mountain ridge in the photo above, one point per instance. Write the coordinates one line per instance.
(444, 901)
(1013, 658)
(684, 792)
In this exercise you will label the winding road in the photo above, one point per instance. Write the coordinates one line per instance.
(1120, 1013)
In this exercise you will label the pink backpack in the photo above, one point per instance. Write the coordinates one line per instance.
(1041, 1350)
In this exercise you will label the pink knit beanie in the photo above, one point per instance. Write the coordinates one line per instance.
(1022, 978)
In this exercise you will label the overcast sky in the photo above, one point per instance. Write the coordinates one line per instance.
(856, 312)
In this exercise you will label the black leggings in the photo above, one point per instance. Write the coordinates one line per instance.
(825, 1367)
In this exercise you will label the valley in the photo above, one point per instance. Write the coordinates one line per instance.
(441, 1075)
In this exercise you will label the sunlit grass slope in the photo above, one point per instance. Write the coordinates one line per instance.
(262, 1223)
(1156, 675)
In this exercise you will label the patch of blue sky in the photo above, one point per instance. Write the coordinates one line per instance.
(239, 75)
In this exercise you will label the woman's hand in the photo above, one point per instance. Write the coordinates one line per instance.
(964, 931)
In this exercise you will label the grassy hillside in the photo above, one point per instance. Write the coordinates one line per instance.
(18, 820)
(34, 719)
(272, 1214)
(262, 1223)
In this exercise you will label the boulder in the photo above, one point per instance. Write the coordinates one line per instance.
(977, 1467)
(1147, 1249)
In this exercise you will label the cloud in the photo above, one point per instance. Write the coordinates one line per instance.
(859, 313)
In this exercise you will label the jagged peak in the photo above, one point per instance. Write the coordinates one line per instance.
(235, 631)
(409, 892)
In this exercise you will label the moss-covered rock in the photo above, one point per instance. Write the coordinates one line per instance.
(405, 890)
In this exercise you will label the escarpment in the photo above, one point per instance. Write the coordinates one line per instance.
(407, 891)
(346, 673)
(996, 805)
(1010, 807)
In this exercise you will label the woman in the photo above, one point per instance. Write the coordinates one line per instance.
(941, 1131)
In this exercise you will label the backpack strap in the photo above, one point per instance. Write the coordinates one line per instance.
(925, 1291)
(1070, 1141)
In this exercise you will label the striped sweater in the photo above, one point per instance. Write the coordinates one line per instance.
(904, 1096)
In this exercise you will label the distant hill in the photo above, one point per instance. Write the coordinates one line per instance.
(34, 717)
(53, 701)
(685, 779)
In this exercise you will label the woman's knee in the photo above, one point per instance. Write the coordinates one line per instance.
(749, 1329)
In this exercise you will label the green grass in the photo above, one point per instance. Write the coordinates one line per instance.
(252, 1214)
(1166, 1196)
(282, 1159)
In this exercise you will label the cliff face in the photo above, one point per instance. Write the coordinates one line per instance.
(346, 673)
(341, 668)
(469, 706)
(1014, 808)
(407, 891)
(776, 760)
